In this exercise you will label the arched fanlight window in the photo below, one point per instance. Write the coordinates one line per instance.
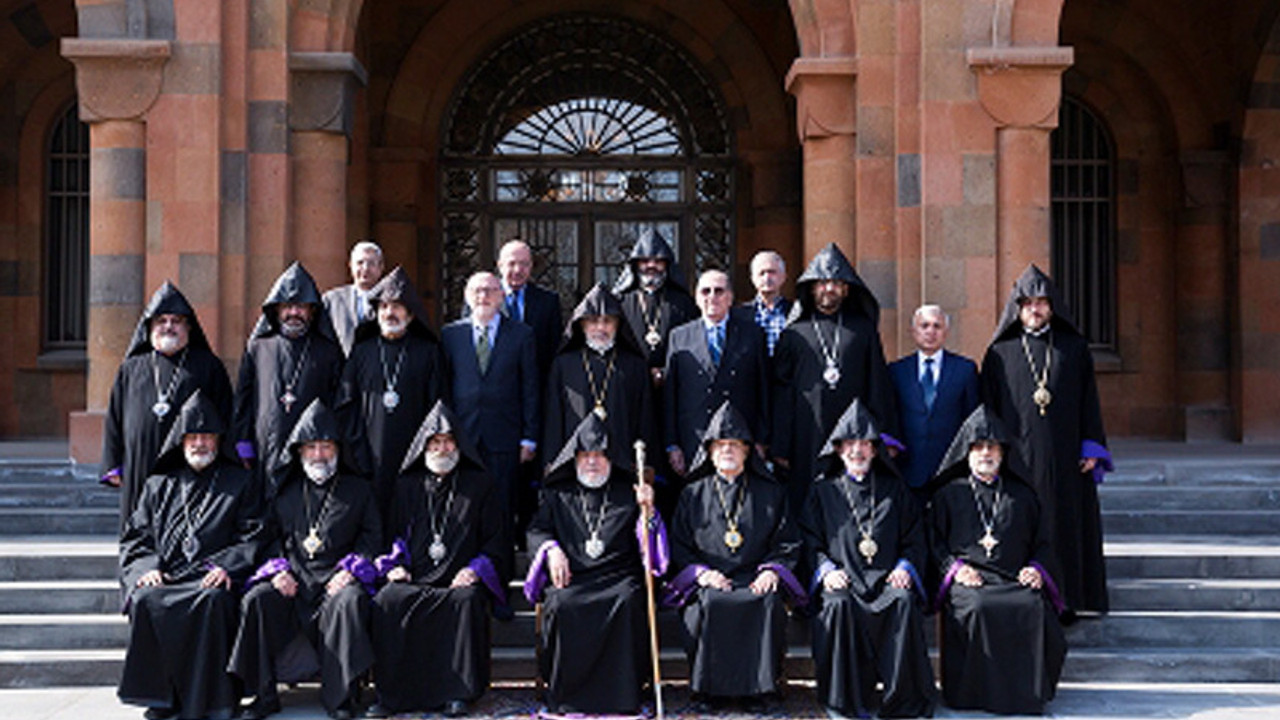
(66, 233)
(1084, 220)
(576, 134)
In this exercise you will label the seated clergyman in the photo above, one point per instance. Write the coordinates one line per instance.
(312, 593)
(448, 566)
(865, 539)
(595, 650)
(189, 545)
(735, 553)
(1002, 645)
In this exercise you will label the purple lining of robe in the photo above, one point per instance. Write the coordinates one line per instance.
(1091, 449)
(824, 568)
(892, 442)
(482, 566)
(538, 577)
(399, 555)
(354, 563)
(683, 585)
(945, 585)
(268, 569)
(105, 478)
(244, 450)
(1050, 588)
(789, 581)
(658, 547)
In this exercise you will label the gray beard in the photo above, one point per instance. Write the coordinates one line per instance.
(294, 329)
(199, 461)
(442, 463)
(320, 472)
(593, 482)
(652, 282)
(600, 347)
(167, 344)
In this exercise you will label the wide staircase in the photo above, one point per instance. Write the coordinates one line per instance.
(1193, 556)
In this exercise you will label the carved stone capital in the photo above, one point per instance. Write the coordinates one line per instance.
(1021, 86)
(825, 101)
(116, 79)
(323, 87)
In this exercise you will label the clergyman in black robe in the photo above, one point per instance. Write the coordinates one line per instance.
(599, 369)
(828, 356)
(587, 571)
(447, 567)
(307, 607)
(187, 549)
(864, 534)
(168, 359)
(734, 550)
(291, 359)
(395, 374)
(1002, 645)
(1037, 356)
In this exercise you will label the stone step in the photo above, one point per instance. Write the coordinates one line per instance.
(1177, 629)
(1173, 665)
(1196, 471)
(64, 521)
(60, 668)
(54, 495)
(1192, 556)
(60, 597)
(1194, 594)
(98, 631)
(44, 557)
(1136, 499)
(1190, 522)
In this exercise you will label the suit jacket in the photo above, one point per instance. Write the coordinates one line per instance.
(696, 387)
(542, 313)
(499, 408)
(340, 302)
(928, 433)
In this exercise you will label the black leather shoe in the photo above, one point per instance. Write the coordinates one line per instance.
(262, 707)
(342, 713)
(377, 710)
(159, 713)
(455, 708)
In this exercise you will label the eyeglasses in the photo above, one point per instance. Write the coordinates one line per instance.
(712, 290)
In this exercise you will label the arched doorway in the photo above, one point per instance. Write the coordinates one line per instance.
(574, 134)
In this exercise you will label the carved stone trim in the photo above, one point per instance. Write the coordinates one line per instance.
(323, 87)
(116, 79)
(826, 104)
(1021, 86)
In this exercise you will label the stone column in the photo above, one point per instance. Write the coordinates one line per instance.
(1203, 325)
(117, 82)
(1020, 88)
(826, 119)
(321, 117)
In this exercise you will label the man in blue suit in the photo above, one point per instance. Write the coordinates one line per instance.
(936, 390)
(493, 374)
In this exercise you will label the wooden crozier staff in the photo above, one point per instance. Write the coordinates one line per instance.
(650, 601)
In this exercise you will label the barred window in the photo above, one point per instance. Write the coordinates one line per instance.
(1082, 181)
(66, 234)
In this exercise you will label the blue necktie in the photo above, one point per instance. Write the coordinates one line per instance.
(928, 385)
(716, 344)
(513, 306)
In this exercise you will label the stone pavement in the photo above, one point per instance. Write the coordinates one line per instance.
(1094, 701)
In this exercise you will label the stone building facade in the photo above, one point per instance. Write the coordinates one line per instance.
(1130, 146)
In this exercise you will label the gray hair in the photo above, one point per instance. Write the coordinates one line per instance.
(931, 309)
(769, 255)
(366, 246)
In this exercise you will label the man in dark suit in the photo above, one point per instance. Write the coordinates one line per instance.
(348, 305)
(494, 378)
(768, 308)
(523, 301)
(936, 390)
(716, 358)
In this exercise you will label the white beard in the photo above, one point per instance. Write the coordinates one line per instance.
(728, 468)
(652, 281)
(392, 329)
(600, 347)
(167, 344)
(293, 329)
(319, 471)
(199, 459)
(442, 463)
(593, 481)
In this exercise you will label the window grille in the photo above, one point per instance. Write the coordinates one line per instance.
(66, 233)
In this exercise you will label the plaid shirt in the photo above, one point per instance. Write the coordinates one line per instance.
(771, 320)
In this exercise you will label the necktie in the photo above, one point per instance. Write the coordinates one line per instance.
(482, 350)
(716, 346)
(928, 385)
(513, 306)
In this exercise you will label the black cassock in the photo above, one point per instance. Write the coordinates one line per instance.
(133, 433)
(806, 407)
(870, 631)
(1002, 646)
(345, 516)
(625, 389)
(736, 640)
(595, 641)
(380, 434)
(180, 634)
(433, 641)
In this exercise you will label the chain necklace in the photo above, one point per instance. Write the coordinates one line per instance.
(162, 406)
(867, 546)
(313, 542)
(653, 337)
(594, 545)
(190, 545)
(438, 522)
(391, 398)
(732, 536)
(598, 396)
(988, 541)
(1041, 397)
(830, 354)
(288, 398)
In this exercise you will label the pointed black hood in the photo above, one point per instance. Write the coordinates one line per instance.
(726, 424)
(316, 423)
(599, 301)
(650, 244)
(831, 264)
(294, 285)
(440, 420)
(1034, 283)
(198, 415)
(857, 423)
(167, 300)
(396, 286)
(591, 435)
(980, 425)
